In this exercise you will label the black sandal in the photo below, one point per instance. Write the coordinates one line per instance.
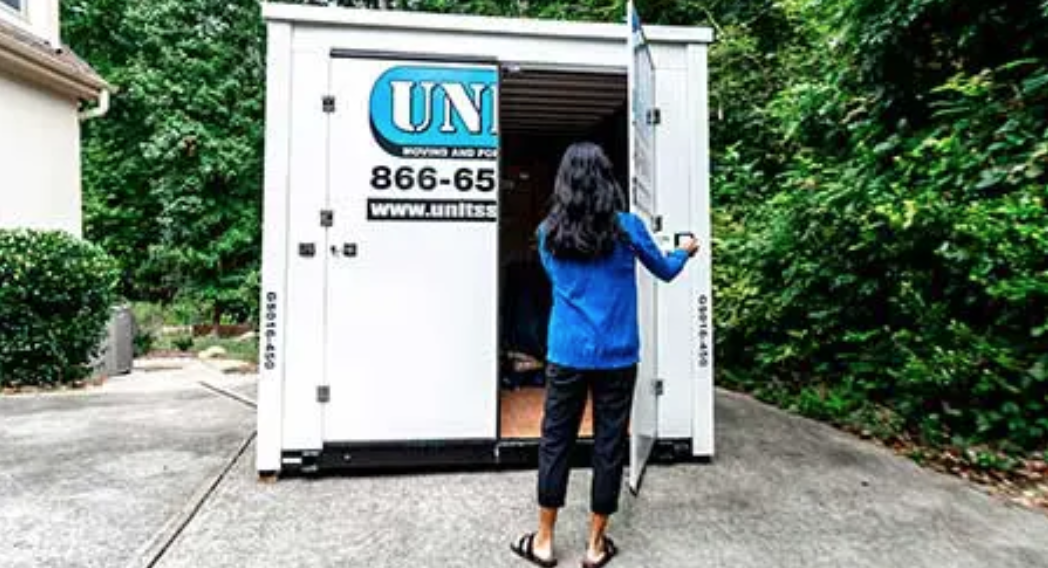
(610, 551)
(525, 548)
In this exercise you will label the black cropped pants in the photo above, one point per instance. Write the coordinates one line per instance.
(566, 393)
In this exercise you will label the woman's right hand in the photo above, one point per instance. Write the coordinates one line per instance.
(689, 245)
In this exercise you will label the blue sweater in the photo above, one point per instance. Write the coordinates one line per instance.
(593, 324)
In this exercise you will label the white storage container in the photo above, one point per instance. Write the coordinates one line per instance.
(408, 160)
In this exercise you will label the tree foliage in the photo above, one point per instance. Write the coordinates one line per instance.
(900, 268)
(173, 174)
(879, 189)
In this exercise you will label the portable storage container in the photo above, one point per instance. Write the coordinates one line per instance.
(409, 159)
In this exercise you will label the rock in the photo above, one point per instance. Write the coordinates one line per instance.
(247, 337)
(231, 366)
(212, 352)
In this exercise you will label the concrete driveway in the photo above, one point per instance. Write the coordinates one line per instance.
(784, 492)
(90, 478)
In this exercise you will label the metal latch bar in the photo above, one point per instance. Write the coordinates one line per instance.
(654, 116)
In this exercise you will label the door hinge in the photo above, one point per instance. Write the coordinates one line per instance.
(656, 224)
(328, 104)
(654, 116)
(657, 386)
(323, 394)
(327, 218)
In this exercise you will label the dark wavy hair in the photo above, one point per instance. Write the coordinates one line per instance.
(583, 218)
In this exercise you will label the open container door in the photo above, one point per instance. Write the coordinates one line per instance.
(412, 252)
(643, 117)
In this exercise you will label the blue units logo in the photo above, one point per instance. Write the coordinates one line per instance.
(436, 112)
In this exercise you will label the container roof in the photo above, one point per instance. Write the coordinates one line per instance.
(398, 20)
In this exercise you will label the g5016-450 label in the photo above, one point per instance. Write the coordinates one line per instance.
(269, 358)
(704, 331)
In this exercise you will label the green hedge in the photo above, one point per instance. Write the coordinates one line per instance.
(56, 292)
(906, 287)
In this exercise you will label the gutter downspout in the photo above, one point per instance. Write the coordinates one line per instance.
(98, 111)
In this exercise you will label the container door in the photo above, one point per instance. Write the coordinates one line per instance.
(411, 319)
(645, 418)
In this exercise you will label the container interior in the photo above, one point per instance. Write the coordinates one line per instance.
(541, 114)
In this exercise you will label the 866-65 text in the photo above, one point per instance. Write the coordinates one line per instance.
(427, 179)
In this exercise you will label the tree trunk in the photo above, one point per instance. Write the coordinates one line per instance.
(216, 319)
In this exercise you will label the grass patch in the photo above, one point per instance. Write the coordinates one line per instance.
(168, 331)
(184, 344)
(235, 349)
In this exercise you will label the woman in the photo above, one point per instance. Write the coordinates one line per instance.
(589, 246)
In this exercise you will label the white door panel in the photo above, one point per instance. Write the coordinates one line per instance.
(301, 420)
(412, 328)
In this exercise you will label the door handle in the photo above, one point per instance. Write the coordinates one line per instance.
(348, 250)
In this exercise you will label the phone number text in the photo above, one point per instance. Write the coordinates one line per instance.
(407, 178)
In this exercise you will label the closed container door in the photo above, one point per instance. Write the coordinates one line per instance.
(411, 328)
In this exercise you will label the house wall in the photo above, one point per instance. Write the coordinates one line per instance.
(39, 159)
(44, 19)
(39, 17)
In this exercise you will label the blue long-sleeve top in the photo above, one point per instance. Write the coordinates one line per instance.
(593, 324)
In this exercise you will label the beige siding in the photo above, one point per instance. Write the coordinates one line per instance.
(39, 159)
(39, 17)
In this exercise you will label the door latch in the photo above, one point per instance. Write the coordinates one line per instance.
(657, 387)
(349, 250)
(678, 237)
(323, 394)
(654, 116)
(308, 250)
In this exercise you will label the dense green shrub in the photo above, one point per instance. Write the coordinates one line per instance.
(906, 280)
(183, 342)
(56, 292)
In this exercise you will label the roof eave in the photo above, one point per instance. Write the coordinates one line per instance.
(23, 61)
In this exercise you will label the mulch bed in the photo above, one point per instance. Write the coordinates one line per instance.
(1025, 484)
(79, 385)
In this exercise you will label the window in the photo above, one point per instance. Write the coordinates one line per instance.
(16, 5)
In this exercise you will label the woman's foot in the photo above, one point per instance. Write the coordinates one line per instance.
(543, 546)
(536, 550)
(598, 554)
